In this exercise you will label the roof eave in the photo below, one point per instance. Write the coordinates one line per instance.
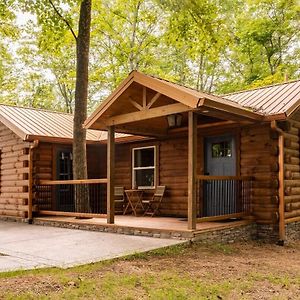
(276, 117)
(102, 107)
(228, 109)
(20, 133)
(53, 139)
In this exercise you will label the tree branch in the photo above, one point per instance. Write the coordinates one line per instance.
(65, 20)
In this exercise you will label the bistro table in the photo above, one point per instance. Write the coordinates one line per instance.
(134, 197)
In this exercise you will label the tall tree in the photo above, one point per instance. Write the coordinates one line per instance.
(50, 15)
(81, 96)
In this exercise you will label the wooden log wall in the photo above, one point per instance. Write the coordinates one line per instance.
(172, 170)
(292, 167)
(14, 174)
(43, 169)
(96, 161)
(259, 158)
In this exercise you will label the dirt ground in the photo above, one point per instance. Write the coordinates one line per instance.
(217, 271)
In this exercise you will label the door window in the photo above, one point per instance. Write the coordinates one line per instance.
(221, 149)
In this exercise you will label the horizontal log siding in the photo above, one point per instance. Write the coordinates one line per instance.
(43, 164)
(259, 158)
(292, 168)
(14, 172)
(172, 171)
(96, 161)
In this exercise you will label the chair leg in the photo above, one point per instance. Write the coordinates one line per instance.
(126, 208)
(152, 208)
(147, 209)
(155, 209)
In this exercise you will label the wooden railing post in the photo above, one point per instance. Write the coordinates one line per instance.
(30, 180)
(110, 174)
(192, 170)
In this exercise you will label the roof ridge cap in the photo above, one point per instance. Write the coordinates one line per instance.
(36, 109)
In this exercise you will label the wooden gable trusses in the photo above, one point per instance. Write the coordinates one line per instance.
(145, 104)
(182, 100)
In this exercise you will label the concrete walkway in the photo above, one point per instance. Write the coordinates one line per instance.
(24, 246)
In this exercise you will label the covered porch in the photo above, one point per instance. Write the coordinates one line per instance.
(164, 112)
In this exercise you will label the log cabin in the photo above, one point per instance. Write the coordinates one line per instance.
(219, 156)
(230, 157)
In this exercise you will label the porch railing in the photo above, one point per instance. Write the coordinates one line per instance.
(79, 198)
(222, 197)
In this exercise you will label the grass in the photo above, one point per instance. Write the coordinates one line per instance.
(176, 272)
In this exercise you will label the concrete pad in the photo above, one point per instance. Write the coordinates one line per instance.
(24, 246)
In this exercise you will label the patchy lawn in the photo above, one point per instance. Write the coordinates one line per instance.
(236, 271)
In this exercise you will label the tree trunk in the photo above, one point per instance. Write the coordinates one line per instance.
(80, 112)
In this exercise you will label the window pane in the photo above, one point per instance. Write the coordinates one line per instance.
(144, 157)
(65, 171)
(144, 177)
(222, 149)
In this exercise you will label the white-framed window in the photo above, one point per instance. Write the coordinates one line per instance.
(144, 167)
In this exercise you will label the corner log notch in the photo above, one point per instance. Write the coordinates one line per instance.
(281, 181)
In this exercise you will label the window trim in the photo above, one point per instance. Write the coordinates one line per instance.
(133, 168)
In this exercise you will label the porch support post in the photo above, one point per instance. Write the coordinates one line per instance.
(110, 174)
(192, 170)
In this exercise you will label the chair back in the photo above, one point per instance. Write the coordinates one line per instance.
(119, 191)
(160, 190)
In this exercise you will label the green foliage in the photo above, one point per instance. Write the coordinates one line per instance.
(265, 46)
(125, 37)
(211, 45)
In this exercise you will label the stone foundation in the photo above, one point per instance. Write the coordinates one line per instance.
(236, 232)
(13, 219)
(157, 233)
(292, 231)
(230, 234)
(241, 233)
(267, 233)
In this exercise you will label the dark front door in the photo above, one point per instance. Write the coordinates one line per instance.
(65, 193)
(220, 160)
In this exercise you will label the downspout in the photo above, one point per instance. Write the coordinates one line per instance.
(281, 182)
(30, 180)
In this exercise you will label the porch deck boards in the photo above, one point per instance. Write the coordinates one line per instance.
(146, 224)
